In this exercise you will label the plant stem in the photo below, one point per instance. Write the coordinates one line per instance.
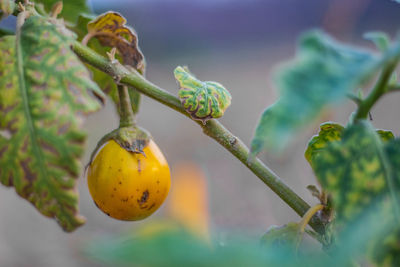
(379, 89)
(212, 128)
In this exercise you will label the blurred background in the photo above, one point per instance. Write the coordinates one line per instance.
(238, 43)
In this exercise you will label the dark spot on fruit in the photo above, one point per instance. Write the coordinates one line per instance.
(158, 182)
(119, 170)
(109, 167)
(96, 204)
(112, 195)
(139, 166)
(124, 199)
(132, 196)
(144, 198)
(152, 206)
(108, 214)
(115, 189)
(120, 182)
(137, 190)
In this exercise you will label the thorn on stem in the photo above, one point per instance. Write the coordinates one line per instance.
(21, 6)
(56, 9)
(111, 55)
(354, 98)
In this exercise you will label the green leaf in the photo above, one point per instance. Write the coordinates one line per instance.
(202, 100)
(71, 8)
(354, 170)
(44, 97)
(323, 73)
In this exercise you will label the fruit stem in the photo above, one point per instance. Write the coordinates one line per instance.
(127, 117)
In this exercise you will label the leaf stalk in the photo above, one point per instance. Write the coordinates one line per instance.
(379, 90)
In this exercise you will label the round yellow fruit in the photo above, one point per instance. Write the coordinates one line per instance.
(126, 185)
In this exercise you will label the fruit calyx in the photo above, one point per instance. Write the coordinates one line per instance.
(131, 138)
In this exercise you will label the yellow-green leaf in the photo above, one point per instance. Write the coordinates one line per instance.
(330, 132)
(44, 97)
(355, 170)
(202, 100)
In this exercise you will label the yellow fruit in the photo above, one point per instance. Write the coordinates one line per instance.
(126, 185)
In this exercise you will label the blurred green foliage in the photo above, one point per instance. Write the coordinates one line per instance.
(324, 72)
(176, 247)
